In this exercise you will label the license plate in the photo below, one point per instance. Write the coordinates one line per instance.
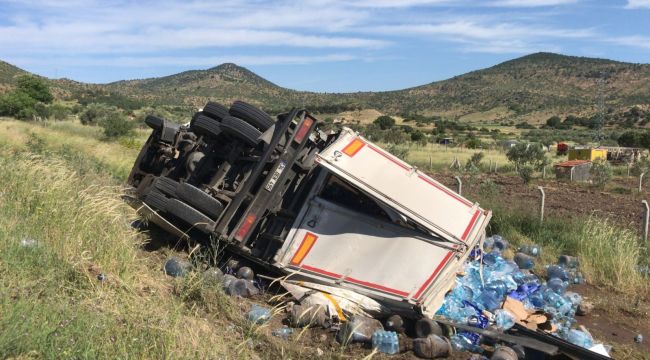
(269, 186)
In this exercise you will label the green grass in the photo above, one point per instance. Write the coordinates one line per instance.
(608, 254)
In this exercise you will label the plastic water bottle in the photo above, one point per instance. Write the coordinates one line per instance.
(466, 341)
(504, 319)
(531, 250)
(259, 314)
(524, 261)
(283, 332)
(568, 261)
(488, 243)
(386, 342)
(580, 338)
(557, 285)
(500, 243)
(557, 271)
(490, 299)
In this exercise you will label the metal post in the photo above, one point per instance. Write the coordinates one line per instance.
(460, 185)
(646, 217)
(541, 204)
(641, 180)
(430, 163)
(544, 172)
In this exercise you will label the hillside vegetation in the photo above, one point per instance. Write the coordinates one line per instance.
(541, 83)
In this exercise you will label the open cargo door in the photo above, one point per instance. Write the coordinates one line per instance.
(403, 187)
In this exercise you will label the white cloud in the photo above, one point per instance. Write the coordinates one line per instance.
(532, 3)
(637, 4)
(490, 37)
(641, 42)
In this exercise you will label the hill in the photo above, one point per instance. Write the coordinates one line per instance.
(527, 87)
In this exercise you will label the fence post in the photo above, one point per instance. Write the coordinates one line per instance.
(544, 172)
(629, 165)
(646, 217)
(641, 180)
(430, 163)
(460, 185)
(495, 166)
(541, 204)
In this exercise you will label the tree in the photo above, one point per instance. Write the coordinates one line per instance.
(527, 157)
(601, 173)
(34, 87)
(630, 139)
(384, 122)
(554, 122)
(14, 102)
(95, 114)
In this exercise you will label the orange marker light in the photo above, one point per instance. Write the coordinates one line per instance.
(306, 245)
(353, 148)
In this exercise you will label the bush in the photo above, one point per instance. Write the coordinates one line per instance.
(13, 103)
(95, 114)
(384, 122)
(601, 173)
(399, 151)
(116, 125)
(525, 173)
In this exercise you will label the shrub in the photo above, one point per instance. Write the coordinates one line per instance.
(384, 122)
(601, 173)
(525, 173)
(14, 102)
(95, 114)
(475, 160)
(116, 125)
(399, 151)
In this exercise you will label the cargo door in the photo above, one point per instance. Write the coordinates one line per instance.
(403, 187)
(334, 244)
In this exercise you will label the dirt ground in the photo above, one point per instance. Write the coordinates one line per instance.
(563, 200)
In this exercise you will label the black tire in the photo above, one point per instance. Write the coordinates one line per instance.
(156, 200)
(241, 130)
(199, 199)
(190, 215)
(154, 122)
(215, 111)
(205, 126)
(251, 115)
(166, 186)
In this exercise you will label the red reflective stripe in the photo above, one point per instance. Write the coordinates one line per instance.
(389, 158)
(471, 224)
(433, 275)
(355, 281)
(446, 191)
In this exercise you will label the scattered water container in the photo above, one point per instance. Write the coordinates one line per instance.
(557, 271)
(568, 261)
(504, 319)
(283, 332)
(359, 329)
(176, 267)
(531, 250)
(557, 285)
(580, 338)
(432, 347)
(259, 314)
(385, 341)
(524, 261)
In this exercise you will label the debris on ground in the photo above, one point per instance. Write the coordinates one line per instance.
(176, 267)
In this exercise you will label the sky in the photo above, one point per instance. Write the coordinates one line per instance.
(317, 45)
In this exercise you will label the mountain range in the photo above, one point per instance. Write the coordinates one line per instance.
(534, 85)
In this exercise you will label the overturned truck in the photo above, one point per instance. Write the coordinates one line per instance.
(329, 208)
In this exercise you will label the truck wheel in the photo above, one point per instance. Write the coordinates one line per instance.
(156, 200)
(205, 126)
(166, 185)
(199, 199)
(215, 111)
(190, 215)
(154, 122)
(251, 115)
(241, 130)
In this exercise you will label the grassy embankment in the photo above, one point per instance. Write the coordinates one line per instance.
(61, 189)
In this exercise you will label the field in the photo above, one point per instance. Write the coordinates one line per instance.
(62, 183)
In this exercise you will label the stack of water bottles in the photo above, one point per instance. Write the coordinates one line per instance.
(501, 278)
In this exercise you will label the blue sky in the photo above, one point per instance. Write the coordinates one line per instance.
(319, 45)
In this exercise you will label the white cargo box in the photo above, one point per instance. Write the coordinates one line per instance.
(404, 266)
